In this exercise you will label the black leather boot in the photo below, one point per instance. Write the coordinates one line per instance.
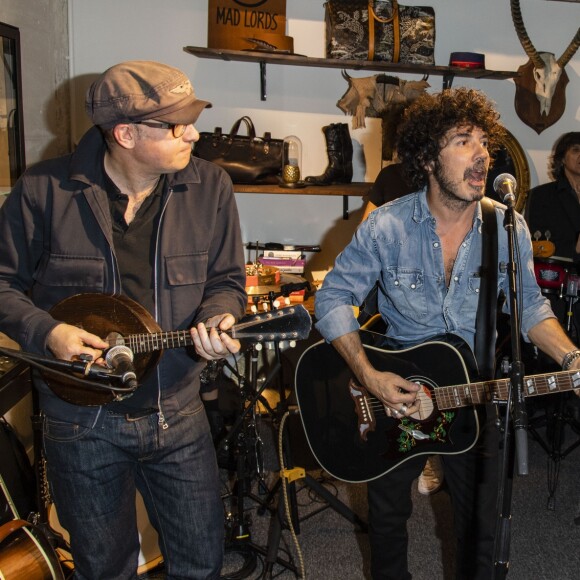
(339, 150)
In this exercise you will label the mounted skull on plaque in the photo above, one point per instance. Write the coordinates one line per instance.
(540, 87)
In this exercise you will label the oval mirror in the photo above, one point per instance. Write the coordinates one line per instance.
(511, 158)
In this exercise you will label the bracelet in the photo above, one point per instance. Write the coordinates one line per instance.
(569, 358)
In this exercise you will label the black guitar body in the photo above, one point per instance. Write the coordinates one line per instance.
(353, 448)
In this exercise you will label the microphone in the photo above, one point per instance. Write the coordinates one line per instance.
(505, 186)
(120, 359)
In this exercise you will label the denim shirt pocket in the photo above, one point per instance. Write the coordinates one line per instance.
(406, 290)
(473, 283)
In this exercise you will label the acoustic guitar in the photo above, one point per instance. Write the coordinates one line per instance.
(349, 431)
(121, 321)
(26, 553)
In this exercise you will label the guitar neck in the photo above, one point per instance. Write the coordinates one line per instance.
(291, 323)
(150, 342)
(455, 396)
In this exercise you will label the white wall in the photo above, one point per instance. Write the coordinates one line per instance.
(301, 100)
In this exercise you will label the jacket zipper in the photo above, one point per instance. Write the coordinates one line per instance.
(161, 417)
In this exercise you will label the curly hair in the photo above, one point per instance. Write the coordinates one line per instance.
(561, 147)
(427, 120)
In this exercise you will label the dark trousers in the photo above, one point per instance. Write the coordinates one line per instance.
(472, 482)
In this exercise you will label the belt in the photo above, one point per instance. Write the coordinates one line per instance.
(135, 415)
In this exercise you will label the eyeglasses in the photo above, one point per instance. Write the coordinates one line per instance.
(177, 130)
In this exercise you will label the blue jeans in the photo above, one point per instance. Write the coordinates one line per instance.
(93, 474)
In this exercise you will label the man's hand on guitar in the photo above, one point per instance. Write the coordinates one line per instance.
(212, 344)
(397, 394)
(68, 342)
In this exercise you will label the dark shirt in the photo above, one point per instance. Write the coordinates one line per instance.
(554, 207)
(135, 253)
(135, 242)
(389, 184)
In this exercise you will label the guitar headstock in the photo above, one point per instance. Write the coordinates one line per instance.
(289, 323)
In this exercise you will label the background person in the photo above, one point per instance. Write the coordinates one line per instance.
(555, 206)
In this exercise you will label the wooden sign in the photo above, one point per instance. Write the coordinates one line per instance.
(248, 25)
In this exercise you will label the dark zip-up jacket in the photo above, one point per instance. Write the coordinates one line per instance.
(56, 241)
(554, 207)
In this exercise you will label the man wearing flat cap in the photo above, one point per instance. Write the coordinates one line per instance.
(130, 214)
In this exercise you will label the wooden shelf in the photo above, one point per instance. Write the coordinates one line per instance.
(348, 189)
(263, 58)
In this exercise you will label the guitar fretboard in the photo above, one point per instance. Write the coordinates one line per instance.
(142, 343)
(455, 396)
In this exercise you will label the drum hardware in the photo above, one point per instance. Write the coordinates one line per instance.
(558, 414)
(571, 299)
(558, 411)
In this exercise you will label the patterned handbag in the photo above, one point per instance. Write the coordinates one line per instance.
(380, 30)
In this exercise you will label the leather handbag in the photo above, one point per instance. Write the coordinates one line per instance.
(381, 30)
(246, 158)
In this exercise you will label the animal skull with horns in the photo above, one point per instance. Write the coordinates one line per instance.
(542, 77)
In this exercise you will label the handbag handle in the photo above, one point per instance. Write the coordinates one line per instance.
(249, 127)
(396, 30)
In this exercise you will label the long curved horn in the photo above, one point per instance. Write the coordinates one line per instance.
(570, 51)
(523, 35)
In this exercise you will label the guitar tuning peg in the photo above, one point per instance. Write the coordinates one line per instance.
(548, 235)
(276, 304)
(292, 344)
(254, 309)
(265, 306)
(537, 235)
(287, 301)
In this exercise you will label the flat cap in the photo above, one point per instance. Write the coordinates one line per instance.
(140, 89)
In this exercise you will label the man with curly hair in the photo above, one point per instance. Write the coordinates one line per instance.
(425, 251)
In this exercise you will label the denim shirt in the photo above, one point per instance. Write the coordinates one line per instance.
(398, 246)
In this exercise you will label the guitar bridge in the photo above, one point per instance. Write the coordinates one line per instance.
(364, 412)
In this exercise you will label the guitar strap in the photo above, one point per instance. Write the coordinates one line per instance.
(485, 326)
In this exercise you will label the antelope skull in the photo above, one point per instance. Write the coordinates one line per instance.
(546, 79)
(544, 75)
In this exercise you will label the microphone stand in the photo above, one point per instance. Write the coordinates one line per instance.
(82, 371)
(516, 407)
